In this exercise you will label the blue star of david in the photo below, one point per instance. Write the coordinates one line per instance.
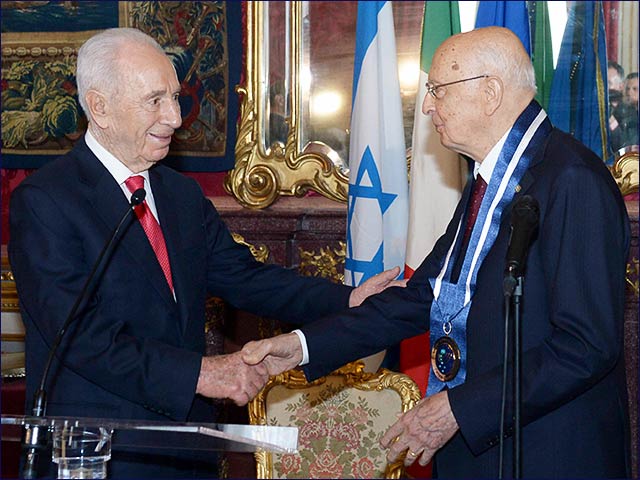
(367, 165)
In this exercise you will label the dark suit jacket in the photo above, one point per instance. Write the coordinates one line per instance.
(134, 352)
(574, 402)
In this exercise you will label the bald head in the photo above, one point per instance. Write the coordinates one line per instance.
(482, 81)
(492, 51)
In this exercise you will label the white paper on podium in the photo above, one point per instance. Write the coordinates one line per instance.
(273, 439)
(244, 437)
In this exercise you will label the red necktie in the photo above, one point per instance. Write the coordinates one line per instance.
(479, 187)
(151, 228)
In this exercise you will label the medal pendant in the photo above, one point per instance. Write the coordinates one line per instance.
(445, 359)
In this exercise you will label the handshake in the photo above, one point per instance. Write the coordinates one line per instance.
(241, 375)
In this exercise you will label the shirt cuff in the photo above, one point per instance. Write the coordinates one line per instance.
(303, 344)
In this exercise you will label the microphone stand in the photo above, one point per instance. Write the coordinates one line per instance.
(524, 221)
(35, 437)
(512, 287)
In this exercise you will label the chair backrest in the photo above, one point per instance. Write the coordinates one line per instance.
(340, 420)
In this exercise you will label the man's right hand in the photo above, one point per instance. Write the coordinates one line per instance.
(227, 376)
(278, 354)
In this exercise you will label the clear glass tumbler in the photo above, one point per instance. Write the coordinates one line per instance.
(81, 452)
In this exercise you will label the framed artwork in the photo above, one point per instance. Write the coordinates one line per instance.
(41, 116)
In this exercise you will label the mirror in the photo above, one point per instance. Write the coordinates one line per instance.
(293, 134)
(268, 164)
(296, 100)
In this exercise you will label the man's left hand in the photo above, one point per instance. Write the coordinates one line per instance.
(376, 284)
(423, 430)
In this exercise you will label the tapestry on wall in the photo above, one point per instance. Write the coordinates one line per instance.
(41, 116)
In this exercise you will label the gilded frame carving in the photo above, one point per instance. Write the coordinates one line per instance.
(625, 171)
(262, 174)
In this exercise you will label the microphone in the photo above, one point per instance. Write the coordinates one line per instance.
(34, 439)
(524, 222)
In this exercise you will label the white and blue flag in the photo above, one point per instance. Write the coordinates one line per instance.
(378, 192)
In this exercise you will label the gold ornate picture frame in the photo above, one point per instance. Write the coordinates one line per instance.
(262, 172)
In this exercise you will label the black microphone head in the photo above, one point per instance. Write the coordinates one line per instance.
(524, 222)
(137, 197)
(526, 212)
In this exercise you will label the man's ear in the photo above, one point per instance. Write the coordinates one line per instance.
(98, 108)
(493, 92)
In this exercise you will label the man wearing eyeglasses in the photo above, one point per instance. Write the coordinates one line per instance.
(574, 404)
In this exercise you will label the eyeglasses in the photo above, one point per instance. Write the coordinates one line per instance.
(435, 91)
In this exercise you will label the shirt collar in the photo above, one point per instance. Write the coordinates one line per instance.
(118, 170)
(485, 169)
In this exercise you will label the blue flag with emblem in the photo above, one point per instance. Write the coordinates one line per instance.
(578, 102)
(378, 202)
(512, 15)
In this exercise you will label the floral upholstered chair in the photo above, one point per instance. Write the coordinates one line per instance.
(340, 420)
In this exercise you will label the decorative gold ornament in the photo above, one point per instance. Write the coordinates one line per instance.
(633, 271)
(625, 172)
(261, 174)
(324, 264)
(9, 292)
(260, 252)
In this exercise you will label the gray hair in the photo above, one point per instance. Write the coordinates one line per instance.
(99, 58)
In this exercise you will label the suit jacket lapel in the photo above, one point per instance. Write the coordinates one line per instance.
(527, 180)
(133, 240)
(170, 223)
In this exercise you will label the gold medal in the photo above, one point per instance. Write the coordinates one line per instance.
(445, 359)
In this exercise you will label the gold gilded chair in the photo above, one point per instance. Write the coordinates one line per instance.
(340, 418)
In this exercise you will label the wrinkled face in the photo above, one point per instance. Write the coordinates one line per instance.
(144, 112)
(631, 91)
(456, 109)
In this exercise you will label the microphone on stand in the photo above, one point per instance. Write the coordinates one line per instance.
(524, 222)
(34, 438)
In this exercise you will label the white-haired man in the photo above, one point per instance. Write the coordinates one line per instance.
(136, 350)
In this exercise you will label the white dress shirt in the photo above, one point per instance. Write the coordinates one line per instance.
(120, 172)
(485, 168)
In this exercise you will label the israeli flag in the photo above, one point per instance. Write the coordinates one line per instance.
(378, 191)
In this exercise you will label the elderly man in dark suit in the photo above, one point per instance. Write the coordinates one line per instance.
(574, 402)
(137, 348)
